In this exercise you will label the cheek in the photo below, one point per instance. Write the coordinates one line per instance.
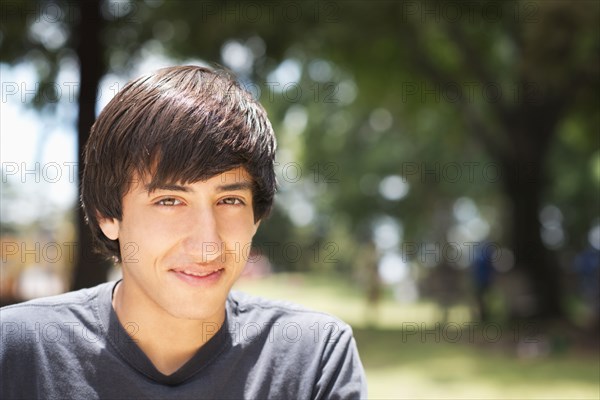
(240, 228)
(149, 233)
(237, 241)
(237, 237)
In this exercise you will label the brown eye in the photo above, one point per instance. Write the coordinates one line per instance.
(169, 201)
(232, 201)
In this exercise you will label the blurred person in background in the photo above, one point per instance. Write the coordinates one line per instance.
(483, 276)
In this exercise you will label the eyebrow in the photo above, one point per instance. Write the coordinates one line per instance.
(232, 187)
(169, 187)
(238, 186)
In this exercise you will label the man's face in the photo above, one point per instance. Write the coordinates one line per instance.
(183, 246)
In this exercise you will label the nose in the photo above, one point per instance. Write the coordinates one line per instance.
(202, 241)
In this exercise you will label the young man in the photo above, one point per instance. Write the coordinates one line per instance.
(178, 176)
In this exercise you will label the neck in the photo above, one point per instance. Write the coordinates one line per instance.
(168, 341)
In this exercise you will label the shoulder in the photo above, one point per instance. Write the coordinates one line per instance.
(304, 345)
(244, 303)
(289, 317)
(50, 309)
(50, 322)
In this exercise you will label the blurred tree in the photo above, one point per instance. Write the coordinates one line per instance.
(551, 67)
(91, 268)
(46, 34)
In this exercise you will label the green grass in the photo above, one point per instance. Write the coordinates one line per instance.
(406, 367)
(406, 357)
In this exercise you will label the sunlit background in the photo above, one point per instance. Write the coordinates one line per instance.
(438, 169)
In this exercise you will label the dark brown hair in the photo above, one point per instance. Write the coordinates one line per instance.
(180, 124)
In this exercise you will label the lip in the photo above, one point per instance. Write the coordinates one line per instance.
(198, 276)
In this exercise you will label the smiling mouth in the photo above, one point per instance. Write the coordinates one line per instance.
(198, 277)
(199, 274)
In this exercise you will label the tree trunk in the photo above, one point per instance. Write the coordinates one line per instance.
(531, 256)
(90, 268)
(524, 182)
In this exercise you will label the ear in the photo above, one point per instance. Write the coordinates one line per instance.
(110, 227)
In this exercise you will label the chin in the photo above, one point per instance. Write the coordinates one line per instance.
(195, 312)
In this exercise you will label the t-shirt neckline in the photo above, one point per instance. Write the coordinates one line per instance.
(126, 347)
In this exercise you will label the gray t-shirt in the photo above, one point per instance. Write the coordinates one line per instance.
(72, 346)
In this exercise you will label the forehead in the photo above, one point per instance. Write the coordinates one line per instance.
(236, 175)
